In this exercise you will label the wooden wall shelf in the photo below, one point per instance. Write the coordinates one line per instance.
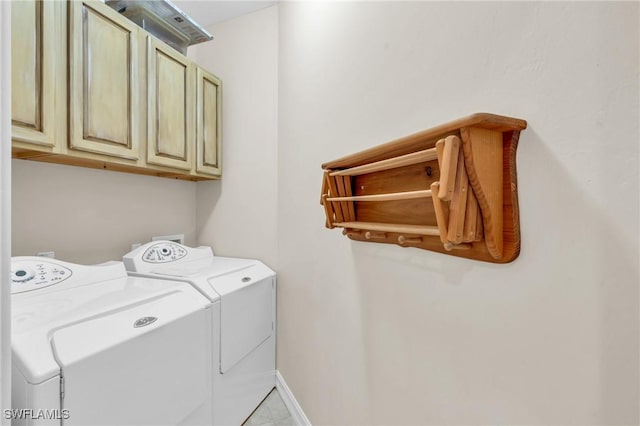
(450, 189)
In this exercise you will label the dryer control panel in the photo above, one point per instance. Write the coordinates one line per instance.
(164, 252)
(29, 275)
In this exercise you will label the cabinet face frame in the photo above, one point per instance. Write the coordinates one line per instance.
(84, 133)
(163, 97)
(209, 112)
(44, 58)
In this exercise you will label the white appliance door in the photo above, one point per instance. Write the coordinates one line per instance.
(154, 374)
(246, 315)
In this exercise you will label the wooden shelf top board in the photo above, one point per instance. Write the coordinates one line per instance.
(426, 139)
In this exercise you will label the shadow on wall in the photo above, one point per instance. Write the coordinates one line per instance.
(450, 340)
(208, 194)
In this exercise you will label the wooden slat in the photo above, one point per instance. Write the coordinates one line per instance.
(349, 193)
(408, 195)
(440, 153)
(458, 204)
(342, 192)
(328, 210)
(389, 227)
(449, 167)
(325, 186)
(333, 190)
(442, 212)
(391, 163)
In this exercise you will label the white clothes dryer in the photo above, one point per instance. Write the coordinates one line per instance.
(246, 289)
(94, 346)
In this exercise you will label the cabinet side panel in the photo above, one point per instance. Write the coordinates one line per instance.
(210, 123)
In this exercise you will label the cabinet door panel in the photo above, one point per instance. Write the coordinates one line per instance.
(104, 84)
(171, 105)
(34, 68)
(209, 124)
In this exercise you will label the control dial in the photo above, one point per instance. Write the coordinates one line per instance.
(27, 275)
(21, 275)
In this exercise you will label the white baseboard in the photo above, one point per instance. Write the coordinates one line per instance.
(290, 401)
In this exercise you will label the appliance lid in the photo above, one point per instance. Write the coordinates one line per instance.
(156, 370)
(36, 317)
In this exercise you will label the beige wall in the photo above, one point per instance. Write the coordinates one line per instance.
(237, 215)
(378, 334)
(91, 216)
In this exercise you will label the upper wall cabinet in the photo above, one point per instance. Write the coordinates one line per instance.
(208, 127)
(36, 66)
(171, 106)
(104, 83)
(92, 89)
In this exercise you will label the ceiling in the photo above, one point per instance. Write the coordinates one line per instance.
(207, 12)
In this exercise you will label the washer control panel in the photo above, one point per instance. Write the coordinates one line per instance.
(27, 275)
(164, 252)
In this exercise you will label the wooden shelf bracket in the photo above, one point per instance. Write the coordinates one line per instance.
(450, 189)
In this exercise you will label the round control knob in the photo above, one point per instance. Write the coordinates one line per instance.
(22, 275)
(165, 250)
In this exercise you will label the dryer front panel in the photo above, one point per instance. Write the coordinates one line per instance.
(246, 316)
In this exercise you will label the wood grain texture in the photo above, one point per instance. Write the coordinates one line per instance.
(171, 107)
(38, 74)
(449, 167)
(391, 163)
(470, 218)
(336, 207)
(426, 139)
(458, 205)
(490, 163)
(409, 195)
(27, 64)
(104, 83)
(209, 123)
(348, 193)
(388, 227)
(441, 211)
(483, 158)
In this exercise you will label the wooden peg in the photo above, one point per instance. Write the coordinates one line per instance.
(448, 246)
(409, 240)
(370, 235)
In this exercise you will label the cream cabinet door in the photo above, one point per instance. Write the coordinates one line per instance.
(171, 105)
(209, 121)
(104, 84)
(37, 71)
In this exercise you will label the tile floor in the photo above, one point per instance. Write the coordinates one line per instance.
(272, 412)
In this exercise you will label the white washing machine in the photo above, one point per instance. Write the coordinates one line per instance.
(94, 346)
(246, 289)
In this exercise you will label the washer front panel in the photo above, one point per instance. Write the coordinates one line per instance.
(27, 275)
